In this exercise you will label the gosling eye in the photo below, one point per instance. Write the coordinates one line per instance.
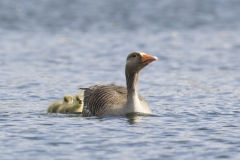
(80, 101)
(134, 55)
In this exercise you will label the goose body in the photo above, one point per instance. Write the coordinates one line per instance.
(67, 99)
(112, 100)
(106, 100)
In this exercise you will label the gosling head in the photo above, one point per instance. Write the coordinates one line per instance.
(68, 98)
(79, 98)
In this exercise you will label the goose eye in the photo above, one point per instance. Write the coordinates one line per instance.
(134, 55)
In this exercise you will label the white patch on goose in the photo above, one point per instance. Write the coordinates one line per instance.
(141, 53)
(137, 105)
(134, 105)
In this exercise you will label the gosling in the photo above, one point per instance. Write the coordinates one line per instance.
(74, 108)
(54, 107)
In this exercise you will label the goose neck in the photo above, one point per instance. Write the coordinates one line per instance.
(132, 83)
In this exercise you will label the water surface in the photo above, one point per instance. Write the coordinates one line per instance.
(50, 48)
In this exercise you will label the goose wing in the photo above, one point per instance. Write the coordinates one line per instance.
(102, 100)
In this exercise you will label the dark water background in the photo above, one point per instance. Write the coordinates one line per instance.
(50, 48)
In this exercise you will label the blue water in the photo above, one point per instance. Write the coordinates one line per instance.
(50, 48)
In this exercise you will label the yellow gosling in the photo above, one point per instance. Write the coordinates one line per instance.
(76, 107)
(67, 99)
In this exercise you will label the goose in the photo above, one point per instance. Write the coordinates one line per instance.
(75, 107)
(113, 100)
(67, 99)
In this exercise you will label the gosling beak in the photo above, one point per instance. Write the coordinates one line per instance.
(146, 59)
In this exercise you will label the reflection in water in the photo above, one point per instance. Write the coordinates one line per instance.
(135, 117)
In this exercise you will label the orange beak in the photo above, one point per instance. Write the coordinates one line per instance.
(146, 59)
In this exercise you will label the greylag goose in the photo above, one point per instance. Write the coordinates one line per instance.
(112, 100)
(67, 99)
(75, 107)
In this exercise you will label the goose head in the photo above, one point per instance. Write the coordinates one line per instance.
(137, 61)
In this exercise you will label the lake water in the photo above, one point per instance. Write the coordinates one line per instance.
(50, 48)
